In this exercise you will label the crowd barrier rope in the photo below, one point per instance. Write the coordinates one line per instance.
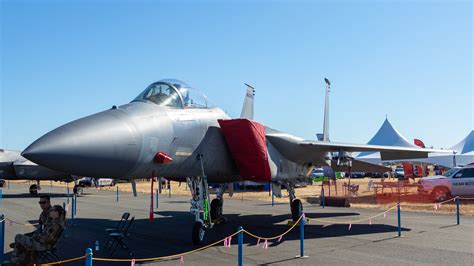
(10, 221)
(278, 236)
(64, 261)
(384, 213)
(461, 198)
(174, 256)
(227, 243)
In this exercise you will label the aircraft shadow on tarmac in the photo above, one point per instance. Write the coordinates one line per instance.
(170, 233)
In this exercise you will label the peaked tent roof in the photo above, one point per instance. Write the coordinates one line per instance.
(387, 135)
(466, 145)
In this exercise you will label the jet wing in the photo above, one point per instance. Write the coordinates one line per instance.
(309, 151)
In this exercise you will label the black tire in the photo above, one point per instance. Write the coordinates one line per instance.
(216, 209)
(34, 190)
(199, 233)
(296, 209)
(79, 190)
(440, 194)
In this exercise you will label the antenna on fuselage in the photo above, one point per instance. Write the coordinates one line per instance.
(247, 108)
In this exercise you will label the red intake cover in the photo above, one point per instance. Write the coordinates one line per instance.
(247, 143)
(161, 157)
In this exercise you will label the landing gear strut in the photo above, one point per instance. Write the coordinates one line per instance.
(295, 204)
(200, 208)
(206, 213)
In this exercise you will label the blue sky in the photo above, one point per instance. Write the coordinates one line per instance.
(411, 60)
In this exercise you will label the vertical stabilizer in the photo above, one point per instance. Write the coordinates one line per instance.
(326, 111)
(247, 108)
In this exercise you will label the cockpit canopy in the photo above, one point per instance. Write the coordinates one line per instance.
(174, 93)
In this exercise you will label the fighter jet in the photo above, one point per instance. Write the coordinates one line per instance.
(172, 130)
(13, 166)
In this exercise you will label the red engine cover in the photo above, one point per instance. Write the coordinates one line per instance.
(247, 143)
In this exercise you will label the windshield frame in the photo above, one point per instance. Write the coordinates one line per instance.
(179, 89)
(141, 97)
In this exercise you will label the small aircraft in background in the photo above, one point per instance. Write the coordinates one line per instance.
(172, 130)
(13, 166)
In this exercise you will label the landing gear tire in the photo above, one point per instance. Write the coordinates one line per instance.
(296, 209)
(34, 190)
(78, 190)
(216, 209)
(199, 232)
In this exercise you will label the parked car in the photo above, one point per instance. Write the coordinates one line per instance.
(455, 182)
(399, 172)
(317, 172)
(356, 174)
(85, 182)
(2, 182)
(373, 174)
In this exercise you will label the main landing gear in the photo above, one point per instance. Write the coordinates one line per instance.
(295, 204)
(35, 188)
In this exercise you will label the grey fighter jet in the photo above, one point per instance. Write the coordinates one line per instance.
(172, 130)
(13, 166)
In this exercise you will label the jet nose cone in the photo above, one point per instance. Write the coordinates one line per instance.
(105, 144)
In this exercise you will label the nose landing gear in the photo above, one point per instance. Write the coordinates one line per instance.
(200, 208)
(206, 213)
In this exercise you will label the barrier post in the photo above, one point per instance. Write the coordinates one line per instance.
(399, 220)
(75, 204)
(1, 198)
(117, 195)
(67, 191)
(159, 186)
(169, 188)
(88, 257)
(156, 198)
(322, 197)
(2, 236)
(457, 210)
(72, 210)
(241, 242)
(273, 199)
(302, 223)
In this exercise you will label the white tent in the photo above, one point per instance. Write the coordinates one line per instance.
(465, 146)
(464, 154)
(386, 135)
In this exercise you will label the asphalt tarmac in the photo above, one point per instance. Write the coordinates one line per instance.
(428, 239)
